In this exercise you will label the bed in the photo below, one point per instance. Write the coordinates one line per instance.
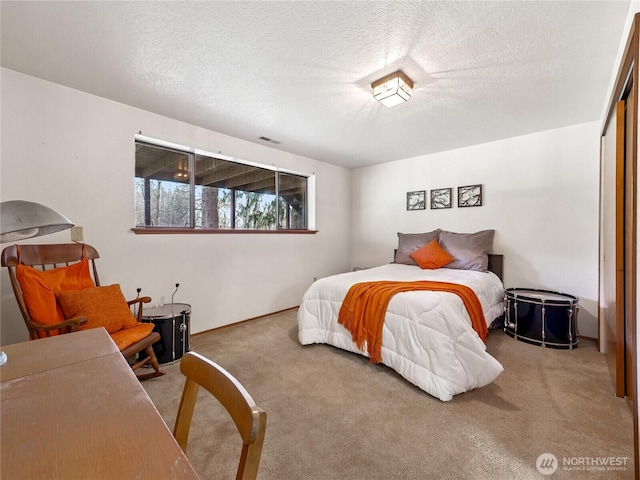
(427, 336)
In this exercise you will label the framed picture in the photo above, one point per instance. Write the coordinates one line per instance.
(441, 198)
(470, 196)
(416, 200)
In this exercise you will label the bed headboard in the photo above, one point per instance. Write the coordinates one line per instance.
(495, 263)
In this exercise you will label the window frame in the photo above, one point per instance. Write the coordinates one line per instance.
(309, 207)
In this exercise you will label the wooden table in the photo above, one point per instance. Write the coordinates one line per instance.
(73, 409)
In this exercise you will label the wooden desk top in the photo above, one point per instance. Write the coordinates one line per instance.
(43, 354)
(89, 418)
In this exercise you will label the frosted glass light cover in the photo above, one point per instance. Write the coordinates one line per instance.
(392, 89)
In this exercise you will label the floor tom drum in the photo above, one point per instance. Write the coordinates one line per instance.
(542, 317)
(171, 321)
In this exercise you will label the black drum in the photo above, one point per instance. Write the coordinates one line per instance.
(171, 321)
(541, 317)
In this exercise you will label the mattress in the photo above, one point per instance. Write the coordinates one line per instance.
(427, 336)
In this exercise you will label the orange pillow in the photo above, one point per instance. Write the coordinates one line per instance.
(103, 306)
(40, 287)
(431, 256)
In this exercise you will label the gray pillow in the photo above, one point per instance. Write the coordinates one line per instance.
(469, 249)
(409, 242)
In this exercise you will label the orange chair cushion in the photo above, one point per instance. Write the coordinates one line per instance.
(431, 256)
(128, 336)
(103, 306)
(40, 287)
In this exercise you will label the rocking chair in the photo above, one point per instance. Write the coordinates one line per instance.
(56, 295)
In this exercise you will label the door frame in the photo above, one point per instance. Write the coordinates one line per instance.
(626, 381)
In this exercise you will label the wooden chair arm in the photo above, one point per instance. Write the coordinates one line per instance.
(72, 324)
(139, 300)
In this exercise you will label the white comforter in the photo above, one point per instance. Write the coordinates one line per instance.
(427, 336)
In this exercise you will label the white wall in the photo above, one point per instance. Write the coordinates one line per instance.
(75, 152)
(540, 194)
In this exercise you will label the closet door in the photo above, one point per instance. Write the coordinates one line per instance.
(611, 256)
(629, 241)
(618, 287)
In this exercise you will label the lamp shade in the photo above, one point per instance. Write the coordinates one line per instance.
(20, 219)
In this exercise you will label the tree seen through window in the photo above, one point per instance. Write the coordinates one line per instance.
(181, 189)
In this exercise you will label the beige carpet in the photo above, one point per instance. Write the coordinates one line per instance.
(333, 415)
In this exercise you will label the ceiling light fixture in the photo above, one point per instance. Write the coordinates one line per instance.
(393, 89)
(181, 175)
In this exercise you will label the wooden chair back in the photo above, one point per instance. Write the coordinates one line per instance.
(250, 420)
(44, 257)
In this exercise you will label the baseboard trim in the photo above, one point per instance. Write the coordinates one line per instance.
(235, 324)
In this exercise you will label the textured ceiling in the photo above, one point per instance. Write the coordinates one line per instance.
(300, 72)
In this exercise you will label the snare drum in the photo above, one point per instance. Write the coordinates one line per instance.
(171, 321)
(541, 317)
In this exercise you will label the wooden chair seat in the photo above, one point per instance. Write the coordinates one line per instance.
(47, 257)
(146, 345)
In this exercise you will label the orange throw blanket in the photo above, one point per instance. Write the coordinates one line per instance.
(364, 308)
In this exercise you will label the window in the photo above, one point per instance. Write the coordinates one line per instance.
(192, 189)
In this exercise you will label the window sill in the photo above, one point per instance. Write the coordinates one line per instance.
(212, 231)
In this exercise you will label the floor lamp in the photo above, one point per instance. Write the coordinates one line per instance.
(20, 220)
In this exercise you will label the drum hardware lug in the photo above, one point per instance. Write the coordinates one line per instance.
(507, 317)
(576, 323)
(543, 325)
(515, 320)
(570, 326)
